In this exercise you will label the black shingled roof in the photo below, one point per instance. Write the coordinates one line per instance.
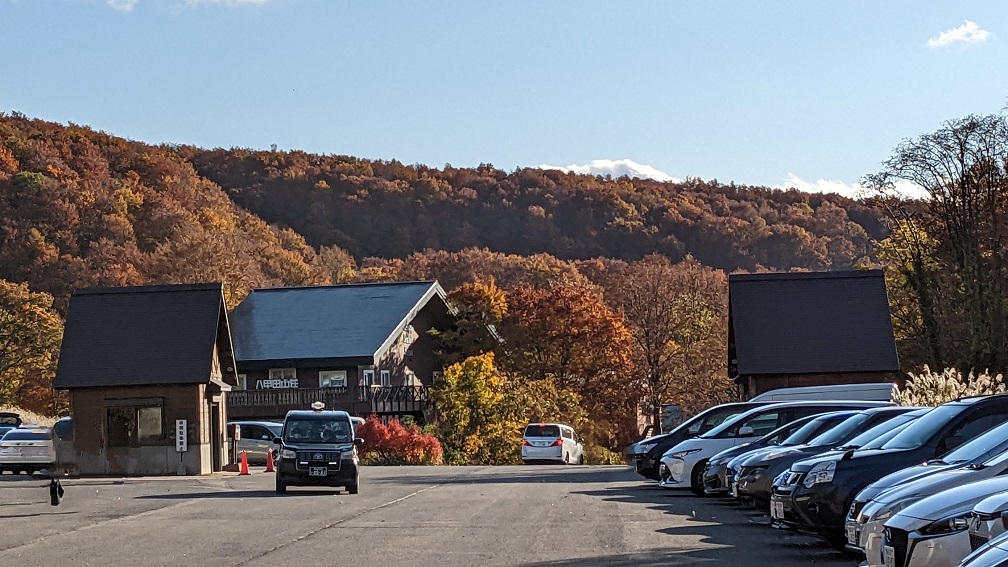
(810, 323)
(145, 335)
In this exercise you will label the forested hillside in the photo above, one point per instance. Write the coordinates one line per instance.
(389, 210)
(82, 208)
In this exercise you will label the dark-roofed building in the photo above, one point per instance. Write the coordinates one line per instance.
(361, 348)
(144, 365)
(809, 328)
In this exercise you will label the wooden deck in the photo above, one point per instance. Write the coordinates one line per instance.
(385, 401)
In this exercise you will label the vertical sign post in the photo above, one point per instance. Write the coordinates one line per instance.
(181, 442)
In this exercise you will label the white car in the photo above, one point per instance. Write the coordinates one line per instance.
(27, 449)
(968, 463)
(991, 554)
(933, 531)
(683, 465)
(553, 442)
(990, 517)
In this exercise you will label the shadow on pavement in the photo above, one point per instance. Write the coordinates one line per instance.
(721, 522)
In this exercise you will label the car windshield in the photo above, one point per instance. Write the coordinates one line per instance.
(275, 429)
(542, 430)
(881, 433)
(26, 435)
(841, 433)
(9, 419)
(317, 430)
(810, 430)
(716, 416)
(922, 430)
(991, 443)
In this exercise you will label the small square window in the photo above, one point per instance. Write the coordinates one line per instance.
(332, 378)
(386, 378)
(368, 377)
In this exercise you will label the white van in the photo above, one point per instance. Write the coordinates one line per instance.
(870, 392)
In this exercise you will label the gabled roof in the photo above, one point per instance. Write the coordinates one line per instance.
(326, 322)
(810, 323)
(133, 336)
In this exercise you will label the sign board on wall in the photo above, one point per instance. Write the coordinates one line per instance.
(277, 383)
(181, 436)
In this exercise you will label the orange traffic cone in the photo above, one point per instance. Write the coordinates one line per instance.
(269, 461)
(244, 464)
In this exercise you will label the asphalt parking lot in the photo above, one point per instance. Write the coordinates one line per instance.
(443, 516)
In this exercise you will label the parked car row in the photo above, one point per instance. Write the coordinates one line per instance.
(900, 486)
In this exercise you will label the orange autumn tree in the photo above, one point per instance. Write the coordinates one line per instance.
(566, 332)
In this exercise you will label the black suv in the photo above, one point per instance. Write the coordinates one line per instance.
(819, 491)
(318, 448)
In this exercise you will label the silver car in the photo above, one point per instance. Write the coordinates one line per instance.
(983, 457)
(27, 449)
(256, 439)
(933, 531)
(991, 554)
(990, 520)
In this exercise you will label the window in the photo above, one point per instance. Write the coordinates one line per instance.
(280, 378)
(130, 423)
(367, 378)
(762, 424)
(282, 373)
(386, 378)
(332, 378)
(566, 433)
(243, 382)
(407, 336)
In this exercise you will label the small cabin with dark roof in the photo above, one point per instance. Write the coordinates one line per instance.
(148, 367)
(808, 329)
(361, 348)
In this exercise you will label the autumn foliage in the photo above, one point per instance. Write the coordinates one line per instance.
(393, 443)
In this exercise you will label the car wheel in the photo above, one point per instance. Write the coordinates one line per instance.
(281, 486)
(696, 479)
(355, 487)
(581, 459)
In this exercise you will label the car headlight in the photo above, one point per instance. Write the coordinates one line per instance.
(948, 525)
(348, 455)
(645, 448)
(681, 454)
(820, 473)
(287, 454)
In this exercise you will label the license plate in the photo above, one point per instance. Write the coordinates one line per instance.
(852, 535)
(317, 471)
(778, 510)
(889, 556)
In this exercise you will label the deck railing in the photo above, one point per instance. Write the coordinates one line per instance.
(364, 400)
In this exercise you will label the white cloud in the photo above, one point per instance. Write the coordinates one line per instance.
(969, 32)
(123, 5)
(616, 168)
(850, 190)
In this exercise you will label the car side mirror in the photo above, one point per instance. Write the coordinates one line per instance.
(745, 431)
(358, 441)
(277, 441)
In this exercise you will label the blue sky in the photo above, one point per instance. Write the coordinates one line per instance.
(757, 93)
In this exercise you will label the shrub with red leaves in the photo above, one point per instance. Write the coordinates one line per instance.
(393, 443)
